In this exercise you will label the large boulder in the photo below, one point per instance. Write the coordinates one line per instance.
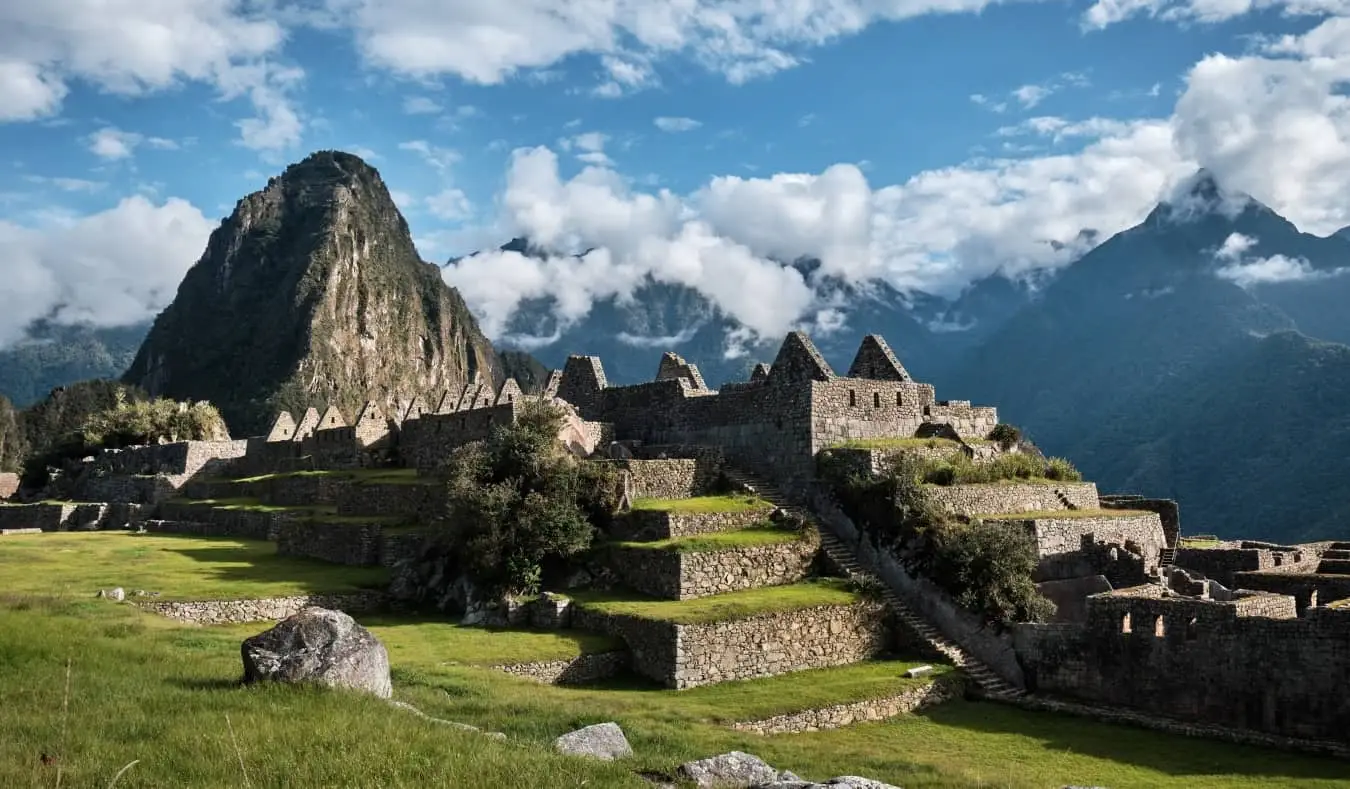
(601, 741)
(734, 769)
(322, 646)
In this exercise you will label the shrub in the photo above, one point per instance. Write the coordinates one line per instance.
(988, 569)
(1062, 470)
(1005, 435)
(518, 504)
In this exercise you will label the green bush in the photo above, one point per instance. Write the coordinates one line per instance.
(519, 504)
(958, 469)
(1005, 435)
(1062, 470)
(986, 568)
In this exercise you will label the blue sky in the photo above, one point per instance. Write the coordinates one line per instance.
(961, 142)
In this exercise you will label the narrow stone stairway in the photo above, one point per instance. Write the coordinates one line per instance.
(1167, 557)
(991, 685)
(1068, 505)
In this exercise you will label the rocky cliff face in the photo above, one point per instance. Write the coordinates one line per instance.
(311, 293)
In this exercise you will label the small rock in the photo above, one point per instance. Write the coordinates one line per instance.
(734, 769)
(601, 741)
(116, 595)
(496, 735)
(319, 645)
(919, 671)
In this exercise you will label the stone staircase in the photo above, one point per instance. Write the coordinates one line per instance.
(1167, 557)
(1068, 505)
(841, 556)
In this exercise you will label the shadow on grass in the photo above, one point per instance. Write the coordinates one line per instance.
(256, 560)
(1154, 750)
(207, 683)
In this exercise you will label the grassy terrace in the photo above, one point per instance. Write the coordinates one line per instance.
(325, 513)
(1192, 542)
(897, 443)
(703, 504)
(723, 607)
(179, 568)
(721, 541)
(1060, 514)
(382, 476)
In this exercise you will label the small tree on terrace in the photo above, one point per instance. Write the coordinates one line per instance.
(520, 501)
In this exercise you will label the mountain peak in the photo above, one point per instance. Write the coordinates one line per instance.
(1201, 195)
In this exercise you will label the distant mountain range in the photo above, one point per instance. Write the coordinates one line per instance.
(1175, 358)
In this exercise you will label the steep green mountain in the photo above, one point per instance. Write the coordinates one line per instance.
(1253, 445)
(312, 293)
(54, 355)
(528, 371)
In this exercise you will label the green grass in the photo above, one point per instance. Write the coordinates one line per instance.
(724, 607)
(319, 513)
(148, 689)
(721, 541)
(384, 476)
(1191, 542)
(179, 568)
(1047, 514)
(897, 443)
(703, 504)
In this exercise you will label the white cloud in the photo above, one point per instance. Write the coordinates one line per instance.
(984, 101)
(113, 144)
(451, 205)
(669, 124)
(67, 184)
(112, 268)
(1031, 95)
(589, 148)
(1276, 268)
(135, 47)
(1234, 247)
(441, 159)
(486, 41)
(420, 105)
(1104, 13)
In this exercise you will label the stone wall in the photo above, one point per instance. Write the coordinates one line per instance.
(652, 645)
(1249, 664)
(993, 649)
(426, 442)
(1167, 510)
(356, 544)
(1141, 534)
(221, 612)
(1000, 498)
(126, 488)
(772, 644)
(676, 575)
(671, 478)
(1308, 589)
(183, 457)
(855, 408)
(661, 524)
(839, 715)
(1222, 564)
(579, 670)
(9, 485)
(413, 502)
(60, 516)
(222, 522)
(400, 547)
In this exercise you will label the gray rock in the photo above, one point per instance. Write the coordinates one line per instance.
(841, 782)
(322, 646)
(734, 769)
(600, 741)
(116, 595)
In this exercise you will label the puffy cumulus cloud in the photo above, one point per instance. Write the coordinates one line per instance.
(1104, 13)
(676, 124)
(1234, 247)
(112, 143)
(487, 41)
(1276, 268)
(112, 268)
(133, 47)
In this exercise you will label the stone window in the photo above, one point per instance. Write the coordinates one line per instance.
(1159, 627)
(899, 399)
(1312, 599)
(876, 399)
(1125, 623)
(1192, 630)
(852, 398)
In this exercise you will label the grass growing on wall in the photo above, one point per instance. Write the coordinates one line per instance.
(724, 607)
(750, 537)
(79, 564)
(143, 688)
(703, 504)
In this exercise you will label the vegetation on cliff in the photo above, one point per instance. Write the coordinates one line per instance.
(13, 446)
(985, 567)
(519, 505)
(528, 371)
(54, 355)
(311, 293)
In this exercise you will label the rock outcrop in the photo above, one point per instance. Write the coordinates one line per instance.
(604, 741)
(321, 646)
(312, 294)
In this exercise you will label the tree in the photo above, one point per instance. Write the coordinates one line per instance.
(520, 504)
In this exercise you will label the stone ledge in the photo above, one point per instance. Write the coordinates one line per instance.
(221, 612)
(576, 671)
(677, 575)
(995, 498)
(839, 715)
(645, 525)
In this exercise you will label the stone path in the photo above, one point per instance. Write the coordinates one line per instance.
(989, 683)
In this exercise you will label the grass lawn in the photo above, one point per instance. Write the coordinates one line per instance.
(722, 540)
(719, 608)
(400, 476)
(1048, 514)
(78, 564)
(143, 688)
(704, 504)
(1192, 542)
(319, 513)
(897, 443)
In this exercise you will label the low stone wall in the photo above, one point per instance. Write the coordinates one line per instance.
(643, 525)
(244, 524)
(400, 547)
(1011, 497)
(576, 671)
(933, 604)
(839, 715)
(137, 489)
(674, 575)
(1222, 564)
(652, 645)
(411, 501)
(778, 643)
(272, 609)
(1142, 533)
(355, 544)
(63, 516)
(1308, 589)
